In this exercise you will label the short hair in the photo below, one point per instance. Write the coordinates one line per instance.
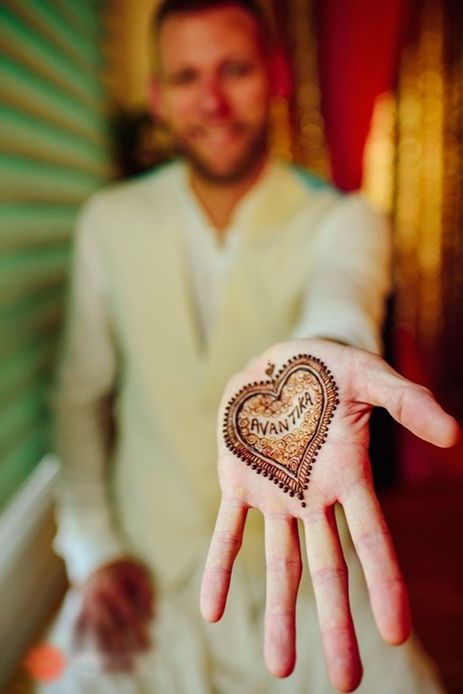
(168, 8)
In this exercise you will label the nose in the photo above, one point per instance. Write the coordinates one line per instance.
(213, 97)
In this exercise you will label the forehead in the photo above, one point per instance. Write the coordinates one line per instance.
(208, 35)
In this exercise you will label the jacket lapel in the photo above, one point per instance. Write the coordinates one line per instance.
(244, 326)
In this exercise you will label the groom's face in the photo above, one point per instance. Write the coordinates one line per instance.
(214, 89)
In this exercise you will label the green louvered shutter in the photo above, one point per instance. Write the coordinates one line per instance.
(54, 151)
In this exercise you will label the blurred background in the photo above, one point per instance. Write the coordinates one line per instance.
(374, 100)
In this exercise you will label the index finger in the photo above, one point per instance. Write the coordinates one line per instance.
(225, 545)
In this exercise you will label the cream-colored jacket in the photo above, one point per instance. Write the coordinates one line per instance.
(310, 262)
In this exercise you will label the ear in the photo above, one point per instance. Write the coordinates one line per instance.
(281, 77)
(155, 98)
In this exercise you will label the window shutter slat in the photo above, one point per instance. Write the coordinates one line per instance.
(54, 152)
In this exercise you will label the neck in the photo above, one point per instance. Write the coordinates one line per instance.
(219, 200)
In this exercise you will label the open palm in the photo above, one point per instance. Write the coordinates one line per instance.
(338, 472)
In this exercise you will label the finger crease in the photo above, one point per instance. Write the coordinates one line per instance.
(229, 539)
(329, 575)
(281, 563)
(372, 539)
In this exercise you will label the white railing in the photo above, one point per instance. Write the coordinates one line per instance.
(31, 575)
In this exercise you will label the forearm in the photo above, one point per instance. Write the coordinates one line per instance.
(85, 379)
(345, 296)
(86, 535)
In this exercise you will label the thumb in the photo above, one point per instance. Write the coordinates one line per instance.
(412, 405)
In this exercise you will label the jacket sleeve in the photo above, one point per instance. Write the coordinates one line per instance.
(345, 297)
(85, 377)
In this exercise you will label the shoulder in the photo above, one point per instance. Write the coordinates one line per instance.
(353, 229)
(345, 218)
(129, 201)
(352, 207)
(354, 211)
(292, 195)
(305, 193)
(310, 181)
(354, 203)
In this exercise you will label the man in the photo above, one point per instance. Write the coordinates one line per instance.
(179, 279)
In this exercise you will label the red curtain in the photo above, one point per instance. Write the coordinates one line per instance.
(359, 51)
(359, 47)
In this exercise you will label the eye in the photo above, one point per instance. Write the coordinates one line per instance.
(181, 77)
(237, 68)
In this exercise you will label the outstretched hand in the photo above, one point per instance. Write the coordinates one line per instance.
(293, 442)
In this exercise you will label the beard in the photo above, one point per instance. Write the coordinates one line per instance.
(255, 151)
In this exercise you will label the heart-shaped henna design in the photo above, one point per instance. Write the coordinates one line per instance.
(278, 426)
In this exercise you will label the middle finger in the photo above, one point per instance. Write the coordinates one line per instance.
(284, 567)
